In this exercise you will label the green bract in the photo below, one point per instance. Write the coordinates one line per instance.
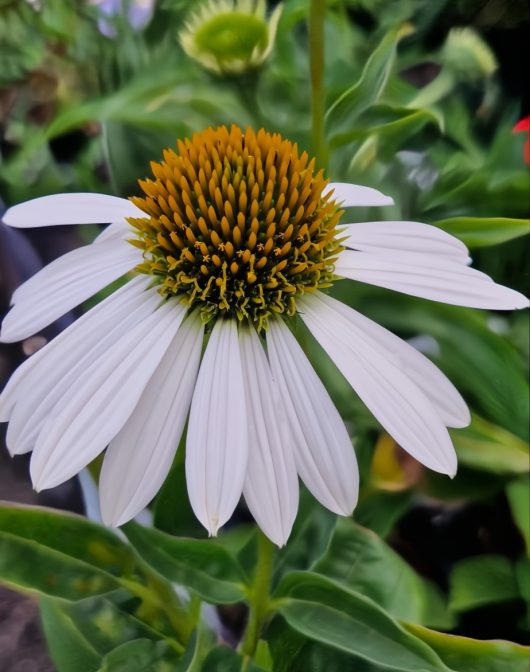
(230, 37)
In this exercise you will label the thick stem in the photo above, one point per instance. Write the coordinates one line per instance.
(259, 599)
(317, 12)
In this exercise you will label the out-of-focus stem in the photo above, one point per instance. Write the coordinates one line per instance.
(317, 12)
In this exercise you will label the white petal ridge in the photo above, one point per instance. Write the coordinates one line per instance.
(392, 396)
(323, 451)
(217, 438)
(61, 209)
(271, 481)
(138, 459)
(429, 277)
(103, 400)
(64, 284)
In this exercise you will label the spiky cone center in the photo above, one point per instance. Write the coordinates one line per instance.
(237, 225)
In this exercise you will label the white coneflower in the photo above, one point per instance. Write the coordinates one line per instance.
(236, 236)
(230, 36)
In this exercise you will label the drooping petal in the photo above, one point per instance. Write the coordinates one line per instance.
(64, 284)
(75, 338)
(217, 440)
(70, 209)
(103, 400)
(56, 379)
(271, 481)
(138, 459)
(434, 384)
(117, 230)
(324, 455)
(394, 399)
(355, 195)
(429, 277)
(397, 237)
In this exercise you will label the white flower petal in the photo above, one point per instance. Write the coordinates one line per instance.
(217, 440)
(139, 457)
(117, 230)
(428, 377)
(429, 277)
(391, 237)
(271, 482)
(64, 284)
(324, 454)
(103, 400)
(53, 382)
(70, 209)
(353, 195)
(72, 340)
(394, 399)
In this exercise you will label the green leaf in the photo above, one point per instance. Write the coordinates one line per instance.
(368, 89)
(28, 565)
(484, 231)
(69, 649)
(360, 560)
(488, 447)
(309, 538)
(223, 659)
(140, 655)
(326, 612)
(203, 566)
(379, 510)
(471, 655)
(69, 534)
(518, 493)
(480, 580)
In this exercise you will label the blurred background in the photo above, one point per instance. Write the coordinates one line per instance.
(421, 101)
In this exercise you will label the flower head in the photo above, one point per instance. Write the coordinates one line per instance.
(236, 234)
(230, 36)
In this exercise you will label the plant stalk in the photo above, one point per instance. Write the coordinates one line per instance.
(317, 12)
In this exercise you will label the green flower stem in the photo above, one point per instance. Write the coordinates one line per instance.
(259, 599)
(317, 12)
(440, 86)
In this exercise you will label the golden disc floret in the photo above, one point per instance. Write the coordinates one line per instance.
(237, 224)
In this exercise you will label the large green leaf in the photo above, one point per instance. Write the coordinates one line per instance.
(140, 655)
(69, 534)
(341, 115)
(485, 231)
(362, 561)
(488, 447)
(471, 655)
(204, 566)
(89, 629)
(323, 611)
(518, 492)
(484, 579)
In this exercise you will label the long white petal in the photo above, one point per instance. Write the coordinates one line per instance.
(397, 237)
(217, 440)
(271, 482)
(390, 394)
(139, 457)
(58, 376)
(70, 209)
(324, 454)
(64, 284)
(74, 338)
(429, 277)
(117, 230)
(103, 400)
(353, 195)
(428, 377)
